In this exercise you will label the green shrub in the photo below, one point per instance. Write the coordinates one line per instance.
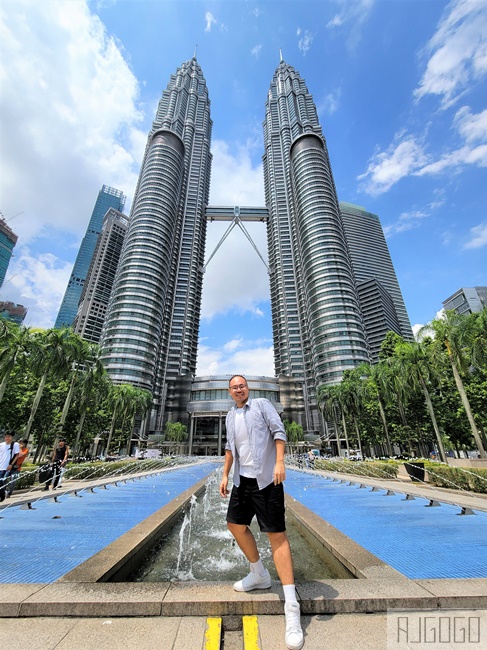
(370, 469)
(26, 479)
(101, 469)
(471, 479)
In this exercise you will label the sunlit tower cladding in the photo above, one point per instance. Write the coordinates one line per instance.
(151, 332)
(317, 324)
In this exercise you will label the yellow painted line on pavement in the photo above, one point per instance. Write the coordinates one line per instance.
(251, 633)
(213, 633)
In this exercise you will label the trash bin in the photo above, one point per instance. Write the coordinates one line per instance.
(415, 471)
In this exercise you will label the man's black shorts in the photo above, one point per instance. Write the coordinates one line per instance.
(267, 505)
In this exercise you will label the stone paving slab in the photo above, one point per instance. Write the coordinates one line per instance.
(220, 599)
(458, 592)
(104, 634)
(348, 596)
(330, 632)
(12, 595)
(96, 599)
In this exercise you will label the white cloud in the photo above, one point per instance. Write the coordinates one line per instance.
(255, 51)
(305, 40)
(210, 20)
(404, 157)
(472, 127)
(352, 16)
(37, 282)
(478, 236)
(252, 360)
(69, 115)
(330, 103)
(406, 221)
(457, 52)
(70, 123)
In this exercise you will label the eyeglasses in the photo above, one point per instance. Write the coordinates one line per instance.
(239, 387)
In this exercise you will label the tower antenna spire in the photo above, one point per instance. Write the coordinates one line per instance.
(195, 50)
(280, 54)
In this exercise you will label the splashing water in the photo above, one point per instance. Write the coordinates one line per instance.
(200, 547)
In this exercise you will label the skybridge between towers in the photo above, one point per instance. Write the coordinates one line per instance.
(236, 215)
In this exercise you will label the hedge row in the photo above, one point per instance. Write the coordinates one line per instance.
(116, 468)
(370, 469)
(471, 479)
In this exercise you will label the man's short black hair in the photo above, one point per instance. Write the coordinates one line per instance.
(237, 375)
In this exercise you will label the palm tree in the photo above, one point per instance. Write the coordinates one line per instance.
(142, 403)
(416, 370)
(377, 377)
(52, 356)
(352, 390)
(15, 347)
(84, 355)
(94, 387)
(329, 401)
(452, 333)
(175, 432)
(119, 397)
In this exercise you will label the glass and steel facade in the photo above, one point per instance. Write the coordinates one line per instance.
(371, 260)
(467, 300)
(108, 197)
(150, 336)
(8, 239)
(98, 286)
(317, 323)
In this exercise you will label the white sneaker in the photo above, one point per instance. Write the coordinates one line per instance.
(253, 581)
(294, 633)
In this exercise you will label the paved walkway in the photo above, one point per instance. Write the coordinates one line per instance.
(321, 632)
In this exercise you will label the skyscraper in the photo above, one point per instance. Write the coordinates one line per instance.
(316, 319)
(467, 300)
(99, 281)
(150, 335)
(8, 239)
(371, 260)
(108, 197)
(151, 330)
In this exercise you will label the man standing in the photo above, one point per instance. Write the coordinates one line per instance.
(59, 460)
(9, 450)
(256, 441)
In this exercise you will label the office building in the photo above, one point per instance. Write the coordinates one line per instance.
(8, 239)
(108, 197)
(97, 288)
(317, 323)
(150, 335)
(13, 312)
(381, 301)
(467, 300)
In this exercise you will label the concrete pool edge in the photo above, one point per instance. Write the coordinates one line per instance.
(83, 593)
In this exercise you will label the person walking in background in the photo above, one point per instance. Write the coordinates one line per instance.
(9, 451)
(59, 460)
(256, 442)
(14, 471)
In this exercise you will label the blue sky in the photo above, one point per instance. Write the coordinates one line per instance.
(401, 91)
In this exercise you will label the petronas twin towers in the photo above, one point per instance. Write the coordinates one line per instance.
(150, 335)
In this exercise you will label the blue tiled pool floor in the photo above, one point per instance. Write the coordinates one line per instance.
(41, 545)
(421, 542)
